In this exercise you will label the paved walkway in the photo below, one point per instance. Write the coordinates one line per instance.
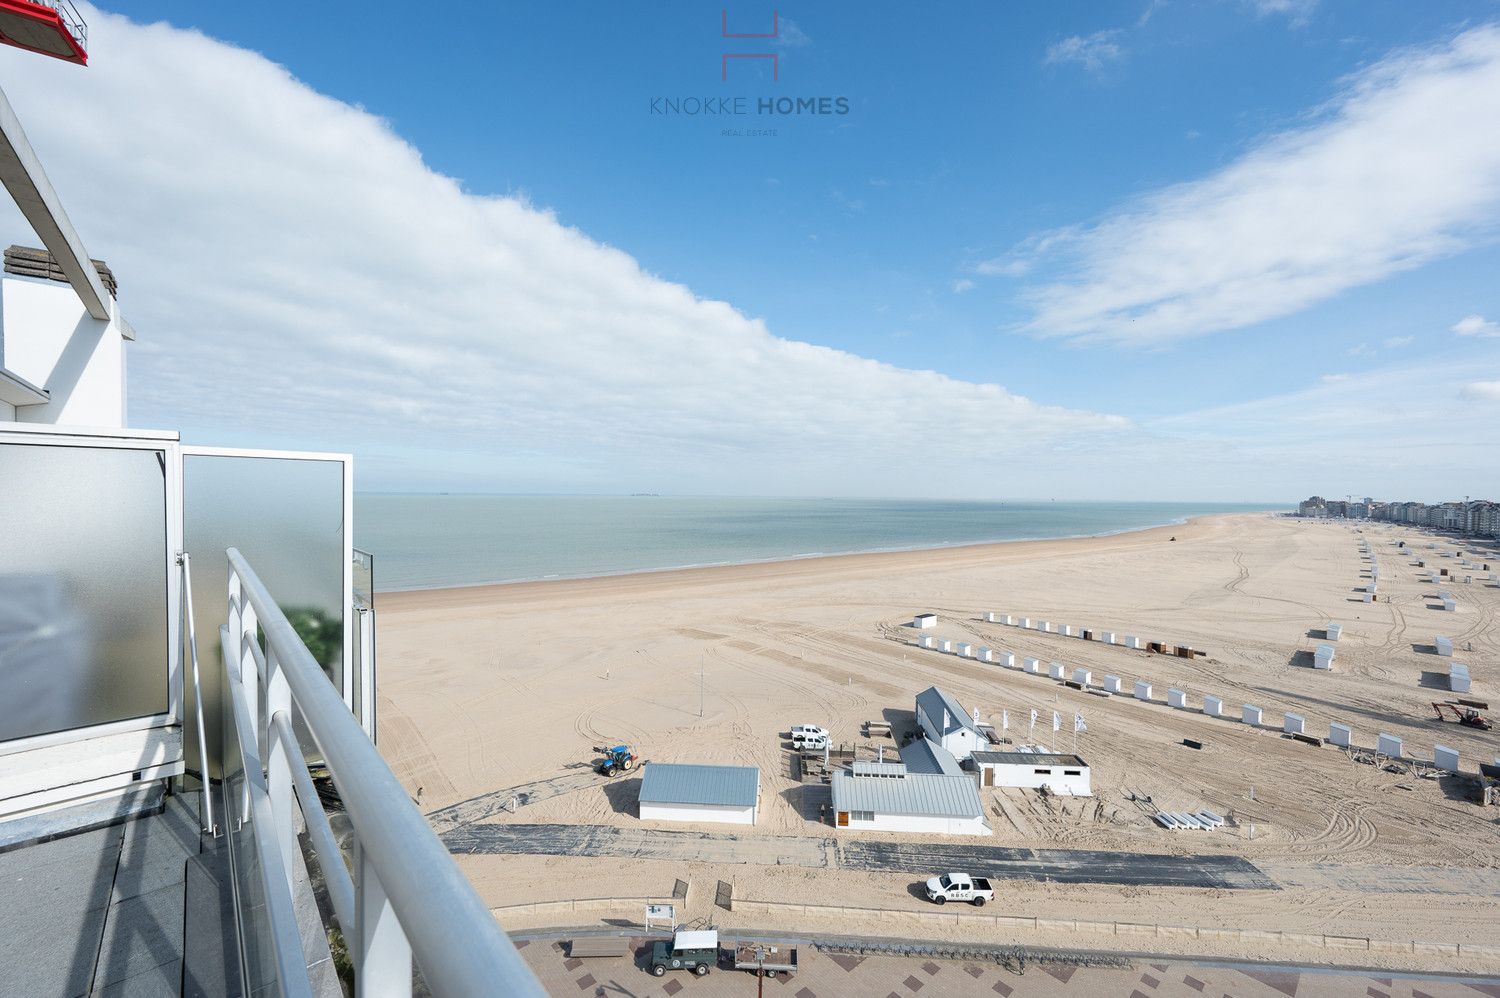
(835, 976)
(1073, 866)
(98, 913)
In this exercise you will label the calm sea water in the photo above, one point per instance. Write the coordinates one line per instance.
(423, 541)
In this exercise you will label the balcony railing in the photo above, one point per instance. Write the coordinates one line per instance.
(71, 19)
(401, 897)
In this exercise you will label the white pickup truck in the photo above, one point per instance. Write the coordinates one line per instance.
(960, 887)
(809, 737)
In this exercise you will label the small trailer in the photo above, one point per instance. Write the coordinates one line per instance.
(762, 958)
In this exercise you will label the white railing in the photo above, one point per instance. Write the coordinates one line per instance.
(71, 19)
(405, 898)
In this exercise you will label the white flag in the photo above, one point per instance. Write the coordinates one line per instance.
(1005, 720)
(1056, 721)
(1079, 724)
(1033, 719)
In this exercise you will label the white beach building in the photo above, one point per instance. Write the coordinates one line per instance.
(1067, 775)
(886, 797)
(680, 792)
(1323, 657)
(1458, 677)
(923, 621)
(944, 720)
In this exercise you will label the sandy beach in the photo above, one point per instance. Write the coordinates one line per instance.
(489, 689)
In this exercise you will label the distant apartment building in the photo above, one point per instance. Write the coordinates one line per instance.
(1477, 517)
(1314, 506)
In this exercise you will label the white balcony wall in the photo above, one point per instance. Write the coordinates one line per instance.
(50, 340)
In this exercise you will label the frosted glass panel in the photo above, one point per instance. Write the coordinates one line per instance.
(287, 518)
(83, 587)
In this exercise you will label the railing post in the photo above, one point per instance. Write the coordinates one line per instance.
(250, 673)
(278, 763)
(366, 673)
(238, 608)
(383, 959)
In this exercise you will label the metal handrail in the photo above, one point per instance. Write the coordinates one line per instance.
(71, 19)
(320, 832)
(206, 796)
(286, 950)
(454, 938)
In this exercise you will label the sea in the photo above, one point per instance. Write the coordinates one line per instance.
(424, 541)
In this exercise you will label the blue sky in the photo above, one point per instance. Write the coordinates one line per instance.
(1077, 215)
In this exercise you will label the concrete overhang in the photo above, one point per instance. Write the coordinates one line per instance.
(18, 391)
(21, 172)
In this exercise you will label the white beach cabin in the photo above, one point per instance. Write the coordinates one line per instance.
(1067, 775)
(886, 797)
(680, 792)
(945, 721)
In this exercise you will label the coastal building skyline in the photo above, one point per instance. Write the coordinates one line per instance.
(1480, 517)
(1088, 253)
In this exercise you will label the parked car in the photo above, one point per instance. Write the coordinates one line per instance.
(810, 743)
(808, 731)
(960, 887)
(691, 949)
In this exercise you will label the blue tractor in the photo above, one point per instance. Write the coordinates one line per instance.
(618, 759)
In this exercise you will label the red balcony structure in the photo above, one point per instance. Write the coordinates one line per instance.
(51, 27)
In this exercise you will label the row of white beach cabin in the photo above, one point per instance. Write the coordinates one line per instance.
(1213, 706)
(1077, 631)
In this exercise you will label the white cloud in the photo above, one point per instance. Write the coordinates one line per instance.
(1370, 433)
(298, 274)
(1396, 342)
(1475, 325)
(1481, 391)
(962, 284)
(1093, 52)
(1401, 168)
(1334, 377)
(1297, 12)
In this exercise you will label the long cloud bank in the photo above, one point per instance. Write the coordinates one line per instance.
(295, 267)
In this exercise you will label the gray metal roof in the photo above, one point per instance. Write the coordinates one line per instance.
(888, 770)
(1028, 758)
(678, 783)
(923, 756)
(919, 793)
(933, 701)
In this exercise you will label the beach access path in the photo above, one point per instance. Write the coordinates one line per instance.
(821, 852)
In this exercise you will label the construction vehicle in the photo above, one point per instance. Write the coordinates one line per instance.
(1467, 716)
(618, 759)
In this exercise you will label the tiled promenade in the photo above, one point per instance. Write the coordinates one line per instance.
(833, 976)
